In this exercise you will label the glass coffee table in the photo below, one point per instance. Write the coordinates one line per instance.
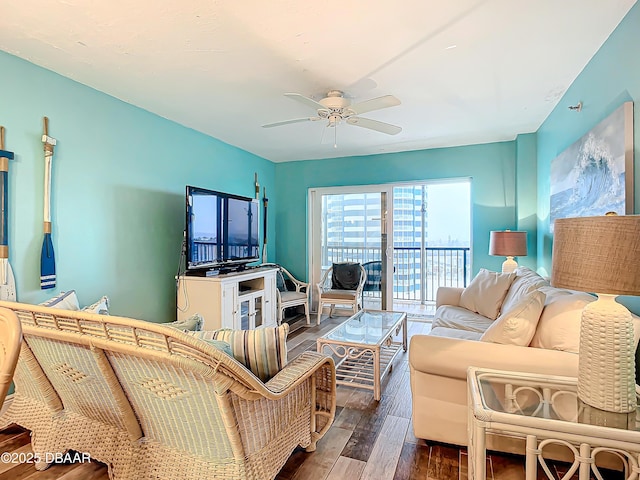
(365, 348)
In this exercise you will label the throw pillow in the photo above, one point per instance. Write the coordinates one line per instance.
(101, 306)
(263, 350)
(64, 301)
(193, 323)
(526, 281)
(345, 276)
(281, 283)
(559, 326)
(206, 336)
(517, 325)
(485, 293)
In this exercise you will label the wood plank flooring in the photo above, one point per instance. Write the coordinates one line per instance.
(369, 440)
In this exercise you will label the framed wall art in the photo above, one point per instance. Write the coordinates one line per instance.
(595, 174)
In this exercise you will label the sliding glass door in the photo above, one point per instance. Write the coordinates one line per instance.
(411, 238)
(350, 224)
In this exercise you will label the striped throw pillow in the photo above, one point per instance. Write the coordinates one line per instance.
(263, 350)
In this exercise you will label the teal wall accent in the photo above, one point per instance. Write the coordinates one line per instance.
(491, 167)
(611, 78)
(526, 195)
(119, 174)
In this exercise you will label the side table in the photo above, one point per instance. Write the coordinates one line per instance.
(546, 411)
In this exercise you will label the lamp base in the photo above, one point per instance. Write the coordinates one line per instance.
(606, 371)
(509, 265)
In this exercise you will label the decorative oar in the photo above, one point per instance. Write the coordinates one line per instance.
(265, 200)
(47, 258)
(7, 280)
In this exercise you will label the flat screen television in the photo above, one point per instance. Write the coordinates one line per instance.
(221, 229)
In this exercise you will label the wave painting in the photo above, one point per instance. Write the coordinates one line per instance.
(588, 178)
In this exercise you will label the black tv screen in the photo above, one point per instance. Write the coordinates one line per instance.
(221, 228)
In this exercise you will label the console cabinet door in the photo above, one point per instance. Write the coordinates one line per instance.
(270, 307)
(230, 306)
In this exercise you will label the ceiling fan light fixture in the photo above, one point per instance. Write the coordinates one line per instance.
(335, 100)
(335, 108)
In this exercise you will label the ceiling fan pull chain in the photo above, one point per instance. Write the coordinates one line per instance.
(335, 135)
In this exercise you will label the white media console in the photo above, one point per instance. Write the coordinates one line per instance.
(238, 300)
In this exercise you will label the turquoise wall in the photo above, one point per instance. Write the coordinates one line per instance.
(526, 195)
(119, 174)
(611, 78)
(491, 167)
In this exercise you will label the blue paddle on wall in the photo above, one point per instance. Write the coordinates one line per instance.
(47, 258)
(7, 280)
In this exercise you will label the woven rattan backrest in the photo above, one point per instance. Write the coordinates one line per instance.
(176, 406)
(81, 383)
(32, 382)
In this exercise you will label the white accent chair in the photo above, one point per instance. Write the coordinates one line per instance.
(286, 297)
(339, 289)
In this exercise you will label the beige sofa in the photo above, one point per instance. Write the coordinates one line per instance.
(439, 361)
(153, 402)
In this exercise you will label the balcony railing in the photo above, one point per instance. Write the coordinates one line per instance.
(444, 266)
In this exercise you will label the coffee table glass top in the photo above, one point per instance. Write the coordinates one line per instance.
(368, 327)
(546, 397)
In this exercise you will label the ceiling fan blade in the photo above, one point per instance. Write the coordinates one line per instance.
(287, 122)
(374, 125)
(374, 104)
(310, 102)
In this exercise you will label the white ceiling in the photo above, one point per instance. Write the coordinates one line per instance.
(222, 66)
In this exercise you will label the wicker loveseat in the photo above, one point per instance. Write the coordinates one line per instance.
(153, 402)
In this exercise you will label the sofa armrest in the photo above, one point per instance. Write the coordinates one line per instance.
(450, 357)
(448, 296)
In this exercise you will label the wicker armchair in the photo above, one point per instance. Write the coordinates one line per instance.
(153, 402)
(10, 340)
(290, 297)
(332, 292)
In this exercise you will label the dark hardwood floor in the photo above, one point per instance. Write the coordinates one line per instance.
(368, 440)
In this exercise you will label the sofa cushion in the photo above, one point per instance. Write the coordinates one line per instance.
(263, 350)
(517, 325)
(486, 292)
(525, 282)
(460, 318)
(455, 333)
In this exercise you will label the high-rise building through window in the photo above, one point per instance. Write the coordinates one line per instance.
(431, 235)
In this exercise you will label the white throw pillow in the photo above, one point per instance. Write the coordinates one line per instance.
(526, 281)
(101, 306)
(485, 293)
(559, 325)
(64, 301)
(517, 325)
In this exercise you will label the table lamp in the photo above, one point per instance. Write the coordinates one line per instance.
(508, 244)
(602, 255)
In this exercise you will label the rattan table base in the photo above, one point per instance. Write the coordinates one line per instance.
(365, 365)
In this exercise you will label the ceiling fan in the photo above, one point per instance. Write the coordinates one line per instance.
(336, 108)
